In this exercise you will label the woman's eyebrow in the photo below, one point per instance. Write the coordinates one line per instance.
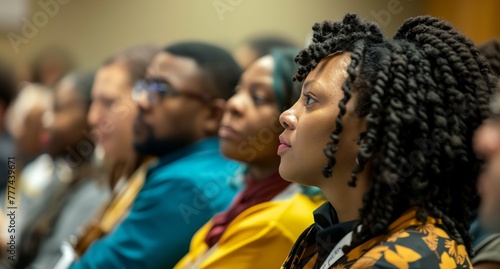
(253, 85)
(310, 83)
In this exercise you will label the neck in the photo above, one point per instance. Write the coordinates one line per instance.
(131, 164)
(346, 200)
(263, 170)
(131, 157)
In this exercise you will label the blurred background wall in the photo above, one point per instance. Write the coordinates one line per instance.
(95, 29)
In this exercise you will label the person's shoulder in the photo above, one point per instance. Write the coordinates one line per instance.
(292, 215)
(273, 220)
(298, 207)
(488, 249)
(194, 171)
(424, 246)
(211, 166)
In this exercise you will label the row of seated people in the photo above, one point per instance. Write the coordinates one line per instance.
(363, 160)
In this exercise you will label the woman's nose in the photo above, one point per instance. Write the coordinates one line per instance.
(288, 119)
(236, 104)
(93, 117)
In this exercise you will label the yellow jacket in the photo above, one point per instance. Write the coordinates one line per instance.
(260, 237)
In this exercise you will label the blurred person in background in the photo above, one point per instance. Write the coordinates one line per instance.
(265, 219)
(74, 193)
(259, 46)
(180, 104)
(7, 94)
(485, 229)
(50, 65)
(33, 168)
(25, 122)
(112, 104)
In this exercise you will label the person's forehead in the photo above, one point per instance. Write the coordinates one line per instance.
(110, 78)
(172, 67)
(260, 69)
(112, 72)
(65, 88)
(329, 69)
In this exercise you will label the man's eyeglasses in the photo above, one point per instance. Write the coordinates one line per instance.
(156, 90)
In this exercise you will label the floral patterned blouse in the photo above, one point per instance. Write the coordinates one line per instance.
(409, 244)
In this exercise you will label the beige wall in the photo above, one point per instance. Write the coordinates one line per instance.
(477, 19)
(94, 29)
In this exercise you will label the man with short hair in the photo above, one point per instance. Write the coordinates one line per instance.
(180, 105)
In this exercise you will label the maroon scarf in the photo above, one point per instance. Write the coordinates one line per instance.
(255, 192)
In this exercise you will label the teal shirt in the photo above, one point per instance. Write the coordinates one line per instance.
(180, 194)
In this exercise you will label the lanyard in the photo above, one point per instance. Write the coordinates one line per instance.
(337, 252)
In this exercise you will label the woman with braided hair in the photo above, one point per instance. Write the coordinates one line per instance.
(399, 170)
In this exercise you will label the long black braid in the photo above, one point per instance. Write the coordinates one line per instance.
(423, 94)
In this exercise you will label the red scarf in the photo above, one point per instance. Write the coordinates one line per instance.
(255, 192)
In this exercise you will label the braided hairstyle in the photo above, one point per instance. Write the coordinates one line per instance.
(491, 50)
(423, 93)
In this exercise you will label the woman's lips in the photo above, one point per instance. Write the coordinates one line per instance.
(226, 131)
(283, 146)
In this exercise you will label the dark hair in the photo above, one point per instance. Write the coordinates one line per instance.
(491, 50)
(263, 45)
(135, 60)
(217, 65)
(82, 83)
(7, 85)
(286, 90)
(423, 94)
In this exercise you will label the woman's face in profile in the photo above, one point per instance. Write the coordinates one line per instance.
(250, 128)
(310, 122)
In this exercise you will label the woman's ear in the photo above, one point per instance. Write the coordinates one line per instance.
(214, 116)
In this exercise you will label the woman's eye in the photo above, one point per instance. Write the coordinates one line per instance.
(309, 100)
(107, 102)
(259, 99)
